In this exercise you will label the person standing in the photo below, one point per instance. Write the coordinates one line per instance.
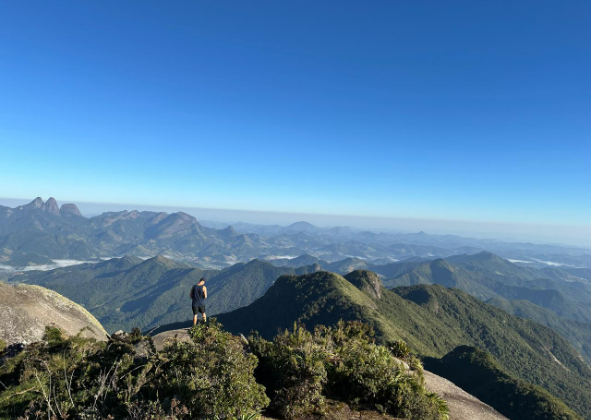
(198, 296)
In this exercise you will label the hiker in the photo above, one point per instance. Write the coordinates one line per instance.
(198, 296)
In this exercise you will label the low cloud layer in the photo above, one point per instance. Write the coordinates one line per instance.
(45, 267)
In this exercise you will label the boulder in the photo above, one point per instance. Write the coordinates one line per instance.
(25, 311)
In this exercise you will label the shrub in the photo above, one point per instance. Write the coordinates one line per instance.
(415, 364)
(398, 349)
(299, 369)
(292, 368)
(53, 335)
(136, 335)
(2, 346)
(209, 377)
(212, 375)
(367, 374)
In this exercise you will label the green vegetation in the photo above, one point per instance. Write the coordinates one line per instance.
(209, 377)
(301, 369)
(477, 372)
(433, 320)
(128, 292)
(578, 334)
(486, 276)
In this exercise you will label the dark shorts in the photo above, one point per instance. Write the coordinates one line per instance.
(198, 310)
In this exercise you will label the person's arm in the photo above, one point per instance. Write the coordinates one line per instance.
(191, 292)
(205, 292)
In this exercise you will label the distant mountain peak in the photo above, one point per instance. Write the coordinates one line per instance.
(129, 258)
(301, 226)
(160, 258)
(485, 256)
(37, 203)
(51, 206)
(70, 209)
(480, 256)
(307, 256)
(228, 232)
(256, 262)
(302, 223)
(440, 262)
(184, 216)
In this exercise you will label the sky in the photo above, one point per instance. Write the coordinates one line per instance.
(459, 110)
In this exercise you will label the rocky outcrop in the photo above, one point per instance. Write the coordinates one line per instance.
(366, 281)
(162, 339)
(462, 406)
(52, 207)
(70, 209)
(37, 203)
(25, 311)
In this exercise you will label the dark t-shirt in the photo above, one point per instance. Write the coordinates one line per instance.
(198, 295)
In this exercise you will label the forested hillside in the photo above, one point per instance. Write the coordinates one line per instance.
(431, 319)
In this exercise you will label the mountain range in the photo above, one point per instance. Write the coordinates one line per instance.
(130, 292)
(432, 319)
(487, 276)
(127, 292)
(34, 233)
(56, 335)
(529, 307)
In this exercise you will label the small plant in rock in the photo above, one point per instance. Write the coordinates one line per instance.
(136, 335)
(398, 349)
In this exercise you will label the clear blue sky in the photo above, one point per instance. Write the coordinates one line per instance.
(466, 110)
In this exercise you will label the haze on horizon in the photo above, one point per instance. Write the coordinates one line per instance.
(511, 232)
(455, 117)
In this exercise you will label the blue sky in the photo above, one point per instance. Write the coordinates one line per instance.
(477, 111)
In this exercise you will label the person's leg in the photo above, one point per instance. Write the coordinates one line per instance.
(194, 319)
(202, 311)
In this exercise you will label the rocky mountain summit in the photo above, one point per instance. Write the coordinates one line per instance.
(26, 310)
(51, 206)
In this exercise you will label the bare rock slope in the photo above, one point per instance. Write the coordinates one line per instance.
(26, 310)
(462, 406)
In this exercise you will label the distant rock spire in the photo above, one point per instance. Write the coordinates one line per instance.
(51, 206)
(37, 203)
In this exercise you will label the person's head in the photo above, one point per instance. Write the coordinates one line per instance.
(201, 280)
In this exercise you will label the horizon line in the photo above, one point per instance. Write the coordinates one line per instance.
(418, 219)
(464, 228)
